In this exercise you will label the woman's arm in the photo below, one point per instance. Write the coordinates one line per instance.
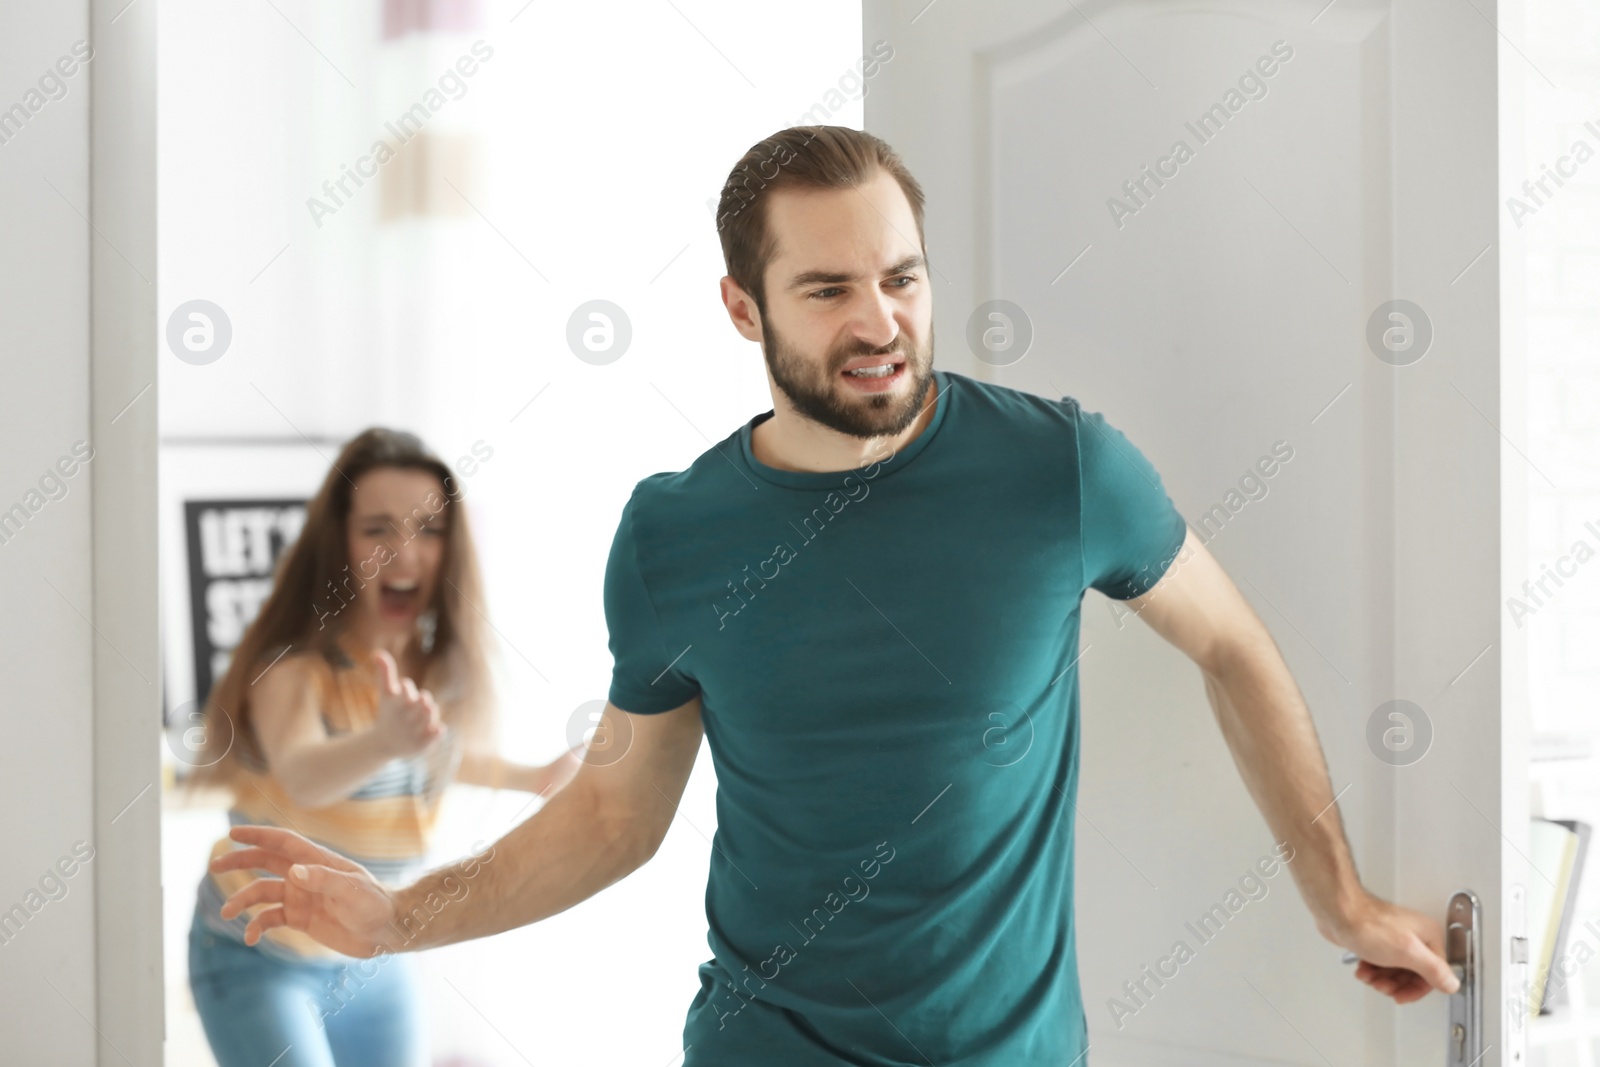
(490, 769)
(316, 769)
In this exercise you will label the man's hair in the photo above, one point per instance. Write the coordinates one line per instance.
(810, 157)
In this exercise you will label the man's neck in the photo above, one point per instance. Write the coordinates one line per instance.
(791, 442)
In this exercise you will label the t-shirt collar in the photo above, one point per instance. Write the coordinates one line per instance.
(831, 479)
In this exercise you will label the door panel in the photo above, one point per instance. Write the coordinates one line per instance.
(1220, 317)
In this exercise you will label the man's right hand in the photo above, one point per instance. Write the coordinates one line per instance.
(596, 831)
(334, 901)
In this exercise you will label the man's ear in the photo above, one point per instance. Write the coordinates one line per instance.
(742, 309)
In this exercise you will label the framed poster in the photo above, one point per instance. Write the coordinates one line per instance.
(230, 508)
(233, 547)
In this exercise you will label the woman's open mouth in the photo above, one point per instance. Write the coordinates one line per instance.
(400, 598)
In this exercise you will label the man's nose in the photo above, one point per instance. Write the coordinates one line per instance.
(875, 323)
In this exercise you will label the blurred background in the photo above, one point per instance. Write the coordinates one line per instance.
(579, 161)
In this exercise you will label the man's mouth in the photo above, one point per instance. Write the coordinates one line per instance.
(874, 373)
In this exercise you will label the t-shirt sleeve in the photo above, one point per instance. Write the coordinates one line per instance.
(646, 678)
(1129, 532)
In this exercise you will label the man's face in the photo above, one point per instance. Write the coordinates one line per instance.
(846, 288)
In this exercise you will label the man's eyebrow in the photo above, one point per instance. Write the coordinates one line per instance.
(826, 277)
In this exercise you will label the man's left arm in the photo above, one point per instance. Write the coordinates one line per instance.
(1264, 719)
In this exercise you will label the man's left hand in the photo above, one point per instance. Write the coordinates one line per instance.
(1401, 951)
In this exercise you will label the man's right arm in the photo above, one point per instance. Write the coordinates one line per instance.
(604, 825)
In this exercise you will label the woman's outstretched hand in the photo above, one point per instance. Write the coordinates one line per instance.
(334, 901)
(408, 721)
(552, 777)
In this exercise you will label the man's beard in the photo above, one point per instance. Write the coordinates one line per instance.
(814, 391)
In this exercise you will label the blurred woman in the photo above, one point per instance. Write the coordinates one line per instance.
(360, 690)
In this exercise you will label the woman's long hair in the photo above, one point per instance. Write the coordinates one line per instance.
(304, 612)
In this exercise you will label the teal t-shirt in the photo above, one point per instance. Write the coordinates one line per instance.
(885, 658)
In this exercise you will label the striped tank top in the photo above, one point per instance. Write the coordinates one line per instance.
(385, 825)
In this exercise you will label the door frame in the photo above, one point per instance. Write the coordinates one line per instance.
(123, 396)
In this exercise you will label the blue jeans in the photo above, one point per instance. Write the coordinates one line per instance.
(255, 1007)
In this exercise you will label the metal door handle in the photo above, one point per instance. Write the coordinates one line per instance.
(1463, 951)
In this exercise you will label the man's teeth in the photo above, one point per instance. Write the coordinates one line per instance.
(881, 371)
(401, 587)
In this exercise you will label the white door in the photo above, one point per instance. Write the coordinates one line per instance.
(1221, 304)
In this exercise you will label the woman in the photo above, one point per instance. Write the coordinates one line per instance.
(361, 689)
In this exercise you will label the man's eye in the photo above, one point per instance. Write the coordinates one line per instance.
(907, 278)
(819, 293)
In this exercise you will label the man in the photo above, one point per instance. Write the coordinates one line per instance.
(868, 600)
